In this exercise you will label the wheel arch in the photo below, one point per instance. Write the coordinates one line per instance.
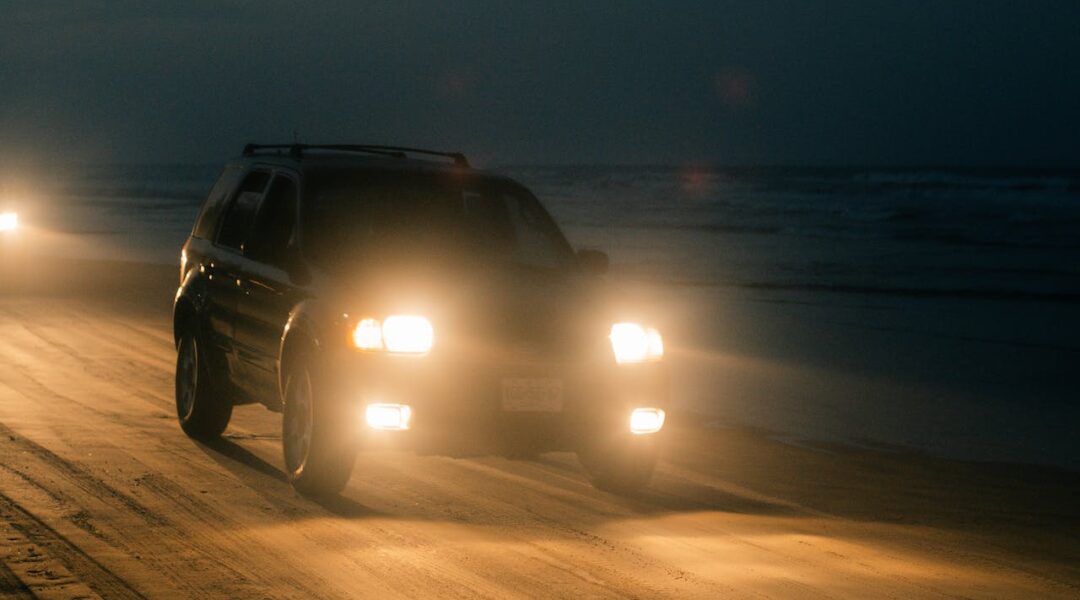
(184, 313)
(186, 303)
(299, 339)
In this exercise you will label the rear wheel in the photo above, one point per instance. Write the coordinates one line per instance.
(316, 436)
(201, 406)
(621, 464)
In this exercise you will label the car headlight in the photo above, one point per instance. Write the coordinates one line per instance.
(367, 335)
(633, 343)
(403, 334)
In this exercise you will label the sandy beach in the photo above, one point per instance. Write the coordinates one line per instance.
(101, 494)
(823, 255)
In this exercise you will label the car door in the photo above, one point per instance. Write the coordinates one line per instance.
(199, 251)
(269, 293)
(223, 266)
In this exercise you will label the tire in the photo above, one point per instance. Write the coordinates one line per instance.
(317, 436)
(202, 407)
(621, 465)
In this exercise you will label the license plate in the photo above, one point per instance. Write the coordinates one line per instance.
(532, 394)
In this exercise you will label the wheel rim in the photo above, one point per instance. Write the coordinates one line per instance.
(297, 421)
(187, 377)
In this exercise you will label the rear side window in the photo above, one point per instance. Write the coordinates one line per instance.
(274, 226)
(211, 210)
(240, 215)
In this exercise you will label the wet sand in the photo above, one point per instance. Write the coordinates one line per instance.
(101, 493)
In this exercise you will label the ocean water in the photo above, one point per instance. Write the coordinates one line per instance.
(1002, 233)
(936, 309)
(909, 232)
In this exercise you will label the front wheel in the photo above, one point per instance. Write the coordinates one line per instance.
(316, 436)
(202, 409)
(621, 464)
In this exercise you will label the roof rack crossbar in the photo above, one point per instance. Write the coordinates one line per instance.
(297, 150)
(458, 158)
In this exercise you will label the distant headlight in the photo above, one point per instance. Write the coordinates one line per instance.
(633, 343)
(404, 334)
(9, 221)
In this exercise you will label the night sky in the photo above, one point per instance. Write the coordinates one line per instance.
(820, 83)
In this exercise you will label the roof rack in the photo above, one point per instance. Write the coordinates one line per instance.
(297, 150)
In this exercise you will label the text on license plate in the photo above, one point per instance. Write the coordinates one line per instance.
(532, 394)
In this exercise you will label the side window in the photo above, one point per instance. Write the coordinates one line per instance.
(240, 215)
(275, 223)
(211, 210)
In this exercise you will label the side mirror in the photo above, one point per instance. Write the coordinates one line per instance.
(593, 262)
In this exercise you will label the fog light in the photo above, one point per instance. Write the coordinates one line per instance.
(388, 417)
(646, 420)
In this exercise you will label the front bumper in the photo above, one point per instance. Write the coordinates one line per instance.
(458, 404)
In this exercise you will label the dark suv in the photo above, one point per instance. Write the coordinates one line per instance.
(376, 299)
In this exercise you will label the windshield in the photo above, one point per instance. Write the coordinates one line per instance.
(397, 217)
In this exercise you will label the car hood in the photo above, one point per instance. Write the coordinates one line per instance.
(502, 311)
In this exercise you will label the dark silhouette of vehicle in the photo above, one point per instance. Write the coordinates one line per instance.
(377, 299)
